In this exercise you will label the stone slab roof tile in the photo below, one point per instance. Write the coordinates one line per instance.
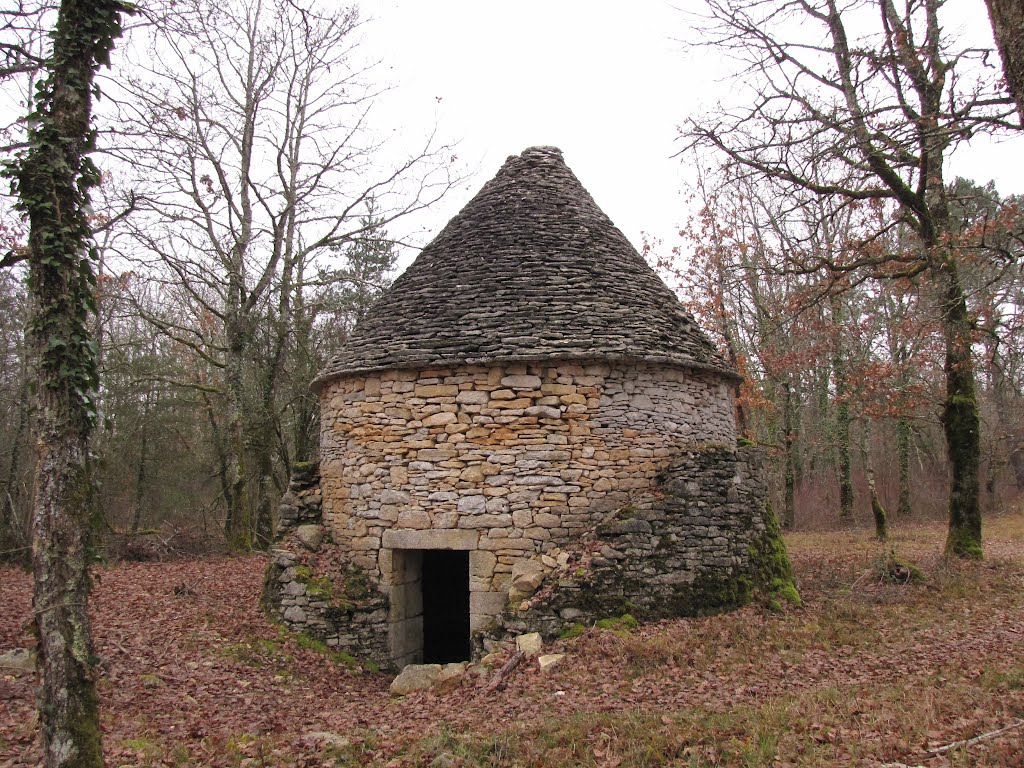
(531, 269)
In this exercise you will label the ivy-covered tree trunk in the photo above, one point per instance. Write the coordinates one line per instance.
(960, 419)
(52, 178)
(904, 508)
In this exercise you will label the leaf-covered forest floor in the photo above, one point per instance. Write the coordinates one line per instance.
(867, 672)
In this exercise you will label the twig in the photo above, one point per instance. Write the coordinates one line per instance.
(498, 680)
(181, 589)
(968, 742)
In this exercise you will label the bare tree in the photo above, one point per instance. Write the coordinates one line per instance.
(248, 128)
(861, 100)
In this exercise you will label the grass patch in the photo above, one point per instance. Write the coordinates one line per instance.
(257, 652)
(620, 625)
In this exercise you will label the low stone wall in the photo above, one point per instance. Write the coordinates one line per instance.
(311, 586)
(709, 543)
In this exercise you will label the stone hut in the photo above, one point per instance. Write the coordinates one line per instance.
(527, 431)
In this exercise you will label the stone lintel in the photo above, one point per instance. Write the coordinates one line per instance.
(430, 539)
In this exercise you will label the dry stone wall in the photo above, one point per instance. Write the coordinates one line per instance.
(311, 586)
(519, 457)
(704, 543)
(698, 549)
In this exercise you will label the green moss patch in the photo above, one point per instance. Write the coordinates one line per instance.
(771, 573)
(620, 624)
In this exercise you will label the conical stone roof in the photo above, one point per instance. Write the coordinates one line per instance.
(531, 269)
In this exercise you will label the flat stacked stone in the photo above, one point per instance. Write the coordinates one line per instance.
(531, 269)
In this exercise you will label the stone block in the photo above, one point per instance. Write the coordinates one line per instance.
(295, 615)
(481, 564)
(435, 454)
(405, 637)
(487, 603)
(543, 412)
(480, 622)
(521, 382)
(432, 539)
(511, 545)
(439, 419)
(414, 518)
(391, 496)
(548, 661)
(18, 661)
(403, 565)
(497, 505)
(472, 505)
(436, 390)
(530, 644)
(486, 521)
(310, 536)
(415, 677)
(472, 474)
(406, 601)
(527, 576)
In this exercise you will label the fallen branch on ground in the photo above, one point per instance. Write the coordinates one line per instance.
(938, 751)
(499, 679)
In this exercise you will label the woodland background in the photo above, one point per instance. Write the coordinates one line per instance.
(243, 228)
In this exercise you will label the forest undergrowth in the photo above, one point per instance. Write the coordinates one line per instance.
(877, 668)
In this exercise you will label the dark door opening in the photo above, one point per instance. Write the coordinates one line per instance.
(445, 606)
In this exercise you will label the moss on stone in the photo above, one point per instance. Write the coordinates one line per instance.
(771, 573)
(620, 624)
(320, 587)
(628, 512)
(573, 630)
(311, 643)
(356, 584)
(595, 601)
(708, 594)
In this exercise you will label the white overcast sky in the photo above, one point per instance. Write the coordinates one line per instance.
(606, 81)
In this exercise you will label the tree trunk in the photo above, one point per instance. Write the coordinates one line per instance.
(14, 531)
(238, 523)
(52, 180)
(843, 419)
(1007, 18)
(789, 445)
(960, 420)
(877, 510)
(904, 509)
(1017, 464)
(140, 474)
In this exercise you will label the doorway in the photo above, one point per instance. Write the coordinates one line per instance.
(429, 621)
(445, 582)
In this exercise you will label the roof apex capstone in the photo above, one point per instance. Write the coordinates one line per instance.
(530, 268)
